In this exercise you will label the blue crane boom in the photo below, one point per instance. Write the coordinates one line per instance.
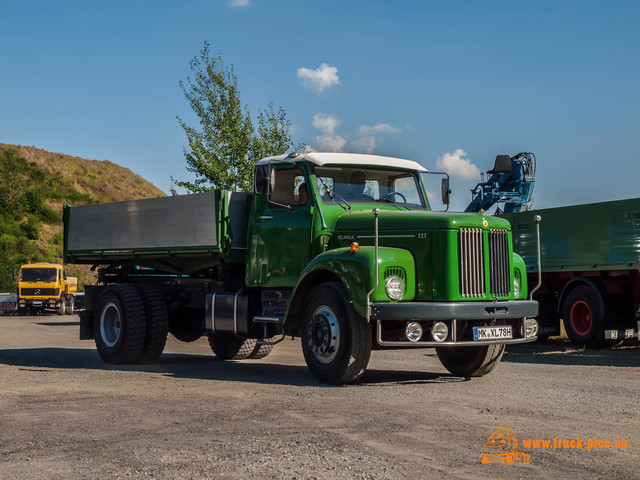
(510, 182)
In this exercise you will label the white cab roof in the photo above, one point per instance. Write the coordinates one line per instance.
(320, 159)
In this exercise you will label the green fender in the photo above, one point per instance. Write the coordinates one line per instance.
(356, 273)
(520, 272)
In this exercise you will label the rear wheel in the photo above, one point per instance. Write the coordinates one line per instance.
(157, 325)
(470, 361)
(582, 317)
(70, 306)
(119, 324)
(336, 341)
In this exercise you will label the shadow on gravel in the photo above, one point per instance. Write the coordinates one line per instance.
(403, 377)
(58, 324)
(200, 367)
(565, 353)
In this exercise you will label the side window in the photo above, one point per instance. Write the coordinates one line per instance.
(300, 191)
(406, 186)
(290, 188)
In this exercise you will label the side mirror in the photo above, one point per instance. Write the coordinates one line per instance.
(446, 191)
(265, 179)
(502, 165)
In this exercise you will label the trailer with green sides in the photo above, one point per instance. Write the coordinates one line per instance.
(341, 250)
(590, 269)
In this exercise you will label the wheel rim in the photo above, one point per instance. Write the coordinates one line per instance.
(323, 337)
(110, 324)
(580, 317)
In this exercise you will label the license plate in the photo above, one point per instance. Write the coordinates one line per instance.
(492, 333)
(36, 303)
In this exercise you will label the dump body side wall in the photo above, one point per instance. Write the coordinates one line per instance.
(181, 234)
(592, 237)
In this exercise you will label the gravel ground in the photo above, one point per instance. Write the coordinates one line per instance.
(65, 414)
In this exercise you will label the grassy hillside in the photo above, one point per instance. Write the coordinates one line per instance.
(34, 185)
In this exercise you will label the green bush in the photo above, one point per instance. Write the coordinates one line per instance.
(31, 227)
(34, 199)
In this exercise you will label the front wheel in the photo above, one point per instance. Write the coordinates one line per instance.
(336, 341)
(470, 361)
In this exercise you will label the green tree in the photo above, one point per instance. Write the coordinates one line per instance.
(223, 151)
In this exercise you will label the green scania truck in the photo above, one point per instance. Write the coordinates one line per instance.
(341, 250)
(590, 269)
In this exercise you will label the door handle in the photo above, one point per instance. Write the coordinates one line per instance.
(265, 217)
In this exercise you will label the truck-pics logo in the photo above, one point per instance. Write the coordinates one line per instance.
(502, 446)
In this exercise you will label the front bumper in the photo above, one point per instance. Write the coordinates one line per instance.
(457, 316)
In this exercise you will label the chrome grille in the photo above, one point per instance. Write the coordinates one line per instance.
(471, 263)
(499, 253)
(33, 292)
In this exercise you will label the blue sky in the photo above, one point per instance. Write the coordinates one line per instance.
(443, 83)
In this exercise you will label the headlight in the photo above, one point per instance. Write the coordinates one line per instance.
(394, 288)
(516, 287)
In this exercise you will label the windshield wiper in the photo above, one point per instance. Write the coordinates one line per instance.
(330, 195)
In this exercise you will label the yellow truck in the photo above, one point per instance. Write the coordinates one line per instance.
(45, 287)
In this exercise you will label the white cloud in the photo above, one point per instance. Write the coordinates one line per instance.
(330, 143)
(238, 3)
(325, 123)
(456, 166)
(364, 144)
(319, 80)
(365, 130)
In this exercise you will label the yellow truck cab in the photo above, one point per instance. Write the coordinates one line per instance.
(45, 287)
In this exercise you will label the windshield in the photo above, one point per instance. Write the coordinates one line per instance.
(38, 275)
(357, 185)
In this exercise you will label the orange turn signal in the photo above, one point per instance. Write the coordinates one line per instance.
(355, 246)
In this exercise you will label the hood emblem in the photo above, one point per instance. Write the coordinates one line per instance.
(485, 223)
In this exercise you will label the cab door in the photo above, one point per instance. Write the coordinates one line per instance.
(279, 231)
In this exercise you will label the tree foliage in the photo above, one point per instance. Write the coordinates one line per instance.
(222, 152)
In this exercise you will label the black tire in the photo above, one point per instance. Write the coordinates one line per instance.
(583, 318)
(157, 324)
(336, 341)
(470, 361)
(119, 324)
(62, 307)
(232, 347)
(70, 306)
(261, 350)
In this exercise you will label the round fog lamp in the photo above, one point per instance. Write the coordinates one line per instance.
(413, 331)
(394, 288)
(440, 331)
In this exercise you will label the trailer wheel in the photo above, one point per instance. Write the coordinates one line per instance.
(119, 324)
(232, 347)
(157, 325)
(470, 361)
(582, 317)
(336, 341)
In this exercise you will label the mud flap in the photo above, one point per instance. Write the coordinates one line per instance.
(86, 326)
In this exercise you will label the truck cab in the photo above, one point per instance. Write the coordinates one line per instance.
(45, 287)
